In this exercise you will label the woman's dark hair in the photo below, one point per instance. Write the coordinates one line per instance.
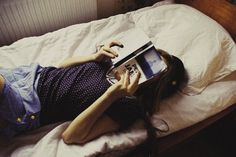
(150, 96)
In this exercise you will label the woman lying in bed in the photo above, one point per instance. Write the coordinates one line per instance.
(33, 96)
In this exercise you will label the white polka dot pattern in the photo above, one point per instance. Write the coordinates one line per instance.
(66, 92)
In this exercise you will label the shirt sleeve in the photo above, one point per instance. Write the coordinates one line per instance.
(124, 111)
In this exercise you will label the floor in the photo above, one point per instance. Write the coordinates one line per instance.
(218, 140)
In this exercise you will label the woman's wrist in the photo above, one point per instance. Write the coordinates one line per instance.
(93, 57)
(112, 94)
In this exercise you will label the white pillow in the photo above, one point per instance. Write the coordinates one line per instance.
(206, 49)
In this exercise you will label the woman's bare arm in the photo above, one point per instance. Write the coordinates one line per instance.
(2, 123)
(76, 61)
(1, 84)
(92, 122)
(105, 52)
(79, 131)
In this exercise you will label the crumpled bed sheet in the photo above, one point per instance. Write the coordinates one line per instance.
(180, 111)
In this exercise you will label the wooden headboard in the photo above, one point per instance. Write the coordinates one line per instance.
(223, 11)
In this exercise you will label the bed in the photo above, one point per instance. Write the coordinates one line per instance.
(206, 48)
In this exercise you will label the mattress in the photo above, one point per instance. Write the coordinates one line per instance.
(206, 49)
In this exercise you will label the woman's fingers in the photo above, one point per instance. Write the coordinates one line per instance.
(133, 86)
(126, 79)
(107, 51)
(111, 51)
(122, 77)
(130, 85)
(107, 54)
(137, 77)
(117, 75)
(115, 43)
(126, 87)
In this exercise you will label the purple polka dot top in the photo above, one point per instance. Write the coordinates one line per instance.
(65, 92)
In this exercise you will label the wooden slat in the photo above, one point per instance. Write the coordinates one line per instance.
(24, 18)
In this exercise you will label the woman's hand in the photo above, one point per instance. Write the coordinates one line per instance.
(125, 86)
(106, 51)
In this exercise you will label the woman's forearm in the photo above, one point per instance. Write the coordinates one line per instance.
(106, 52)
(81, 126)
(76, 60)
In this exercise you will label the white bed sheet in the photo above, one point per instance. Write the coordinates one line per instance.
(180, 111)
